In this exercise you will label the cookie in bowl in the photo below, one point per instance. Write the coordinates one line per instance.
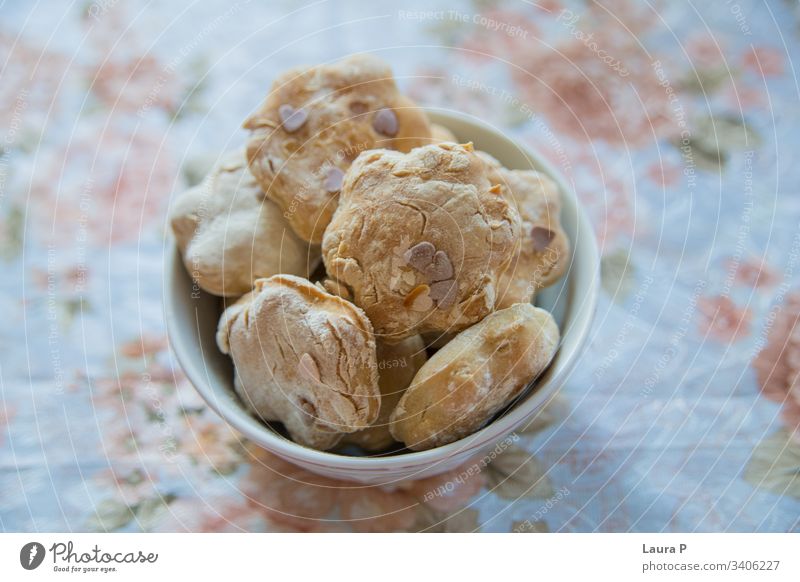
(192, 320)
(440, 133)
(303, 357)
(543, 251)
(314, 123)
(397, 365)
(474, 376)
(229, 235)
(420, 240)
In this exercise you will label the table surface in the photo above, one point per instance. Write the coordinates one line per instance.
(676, 124)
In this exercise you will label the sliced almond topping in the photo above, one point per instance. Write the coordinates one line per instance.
(333, 180)
(541, 237)
(418, 299)
(256, 123)
(468, 146)
(420, 255)
(409, 278)
(440, 268)
(444, 293)
(496, 189)
(293, 119)
(385, 122)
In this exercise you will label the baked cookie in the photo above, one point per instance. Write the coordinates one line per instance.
(543, 253)
(421, 239)
(463, 385)
(440, 133)
(314, 123)
(229, 235)
(397, 365)
(304, 357)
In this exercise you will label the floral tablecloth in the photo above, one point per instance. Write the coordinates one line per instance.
(676, 123)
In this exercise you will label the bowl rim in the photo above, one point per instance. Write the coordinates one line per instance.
(492, 432)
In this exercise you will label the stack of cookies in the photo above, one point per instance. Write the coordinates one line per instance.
(380, 274)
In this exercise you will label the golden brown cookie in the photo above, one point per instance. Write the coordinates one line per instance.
(304, 357)
(544, 250)
(440, 133)
(397, 365)
(229, 235)
(314, 123)
(421, 239)
(463, 385)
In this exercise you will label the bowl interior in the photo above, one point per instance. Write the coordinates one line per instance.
(192, 317)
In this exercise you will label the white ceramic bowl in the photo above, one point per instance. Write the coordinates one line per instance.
(192, 320)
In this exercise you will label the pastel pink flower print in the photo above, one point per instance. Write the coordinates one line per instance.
(752, 272)
(722, 319)
(103, 202)
(764, 60)
(136, 83)
(298, 500)
(777, 365)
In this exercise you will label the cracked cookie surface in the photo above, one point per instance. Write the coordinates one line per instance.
(304, 357)
(463, 385)
(420, 239)
(312, 125)
(229, 235)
